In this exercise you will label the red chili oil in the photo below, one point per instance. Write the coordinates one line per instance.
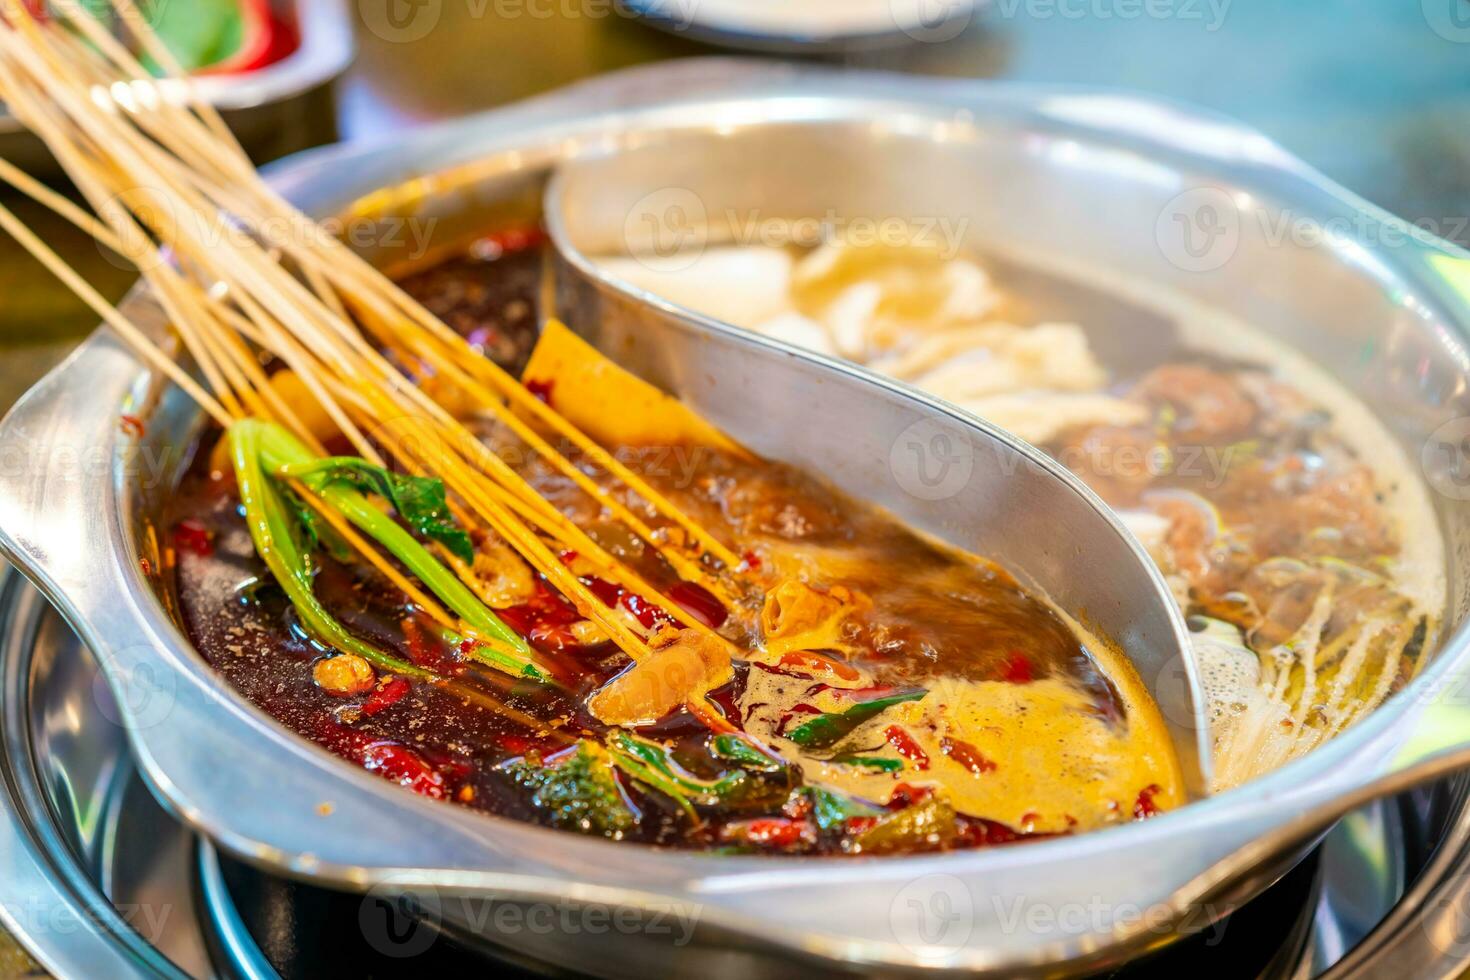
(436, 740)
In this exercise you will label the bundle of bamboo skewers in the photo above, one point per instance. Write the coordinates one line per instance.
(163, 175)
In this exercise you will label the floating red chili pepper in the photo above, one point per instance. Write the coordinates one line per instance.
(775, 831)
(133, 426)
(700, 603)
(979, 832)
(541, 389)
(1145, 807)
(905, 795)
(405, 767)
(905, 745)
(509, 241)
(1018, 669)
(644, 611)
(967, 755)
(546, 606)
(603, 589)
(192, 536)
(426, 650)
(455, 768)
(726, 699)
(388, 759)
(386, 696)
(512, 744)
(790, 716)
(813, 664)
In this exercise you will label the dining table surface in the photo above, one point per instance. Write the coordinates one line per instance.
(1374, 94)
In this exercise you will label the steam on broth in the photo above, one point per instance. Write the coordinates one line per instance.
(1285, 518)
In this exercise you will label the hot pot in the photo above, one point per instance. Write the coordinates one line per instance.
(1094, 178)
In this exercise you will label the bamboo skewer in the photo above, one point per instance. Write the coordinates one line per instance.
(159, 168)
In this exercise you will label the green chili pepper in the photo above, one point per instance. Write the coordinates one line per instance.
(825, 730)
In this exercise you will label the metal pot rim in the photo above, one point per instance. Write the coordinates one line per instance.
(764, 901)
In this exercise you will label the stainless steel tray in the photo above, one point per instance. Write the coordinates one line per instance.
(1087, 174)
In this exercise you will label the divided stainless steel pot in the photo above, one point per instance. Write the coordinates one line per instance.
(1087, 176)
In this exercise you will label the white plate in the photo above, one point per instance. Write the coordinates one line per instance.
(810, 24)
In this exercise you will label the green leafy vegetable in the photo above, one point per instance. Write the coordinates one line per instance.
(419, 500)
(825, 730)
(871, 762)
(652, 765)
(738, 750)
(271, 454)
(832, 810)
(754, 780)
(312, 532)
(276, 540)
(577, 790)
